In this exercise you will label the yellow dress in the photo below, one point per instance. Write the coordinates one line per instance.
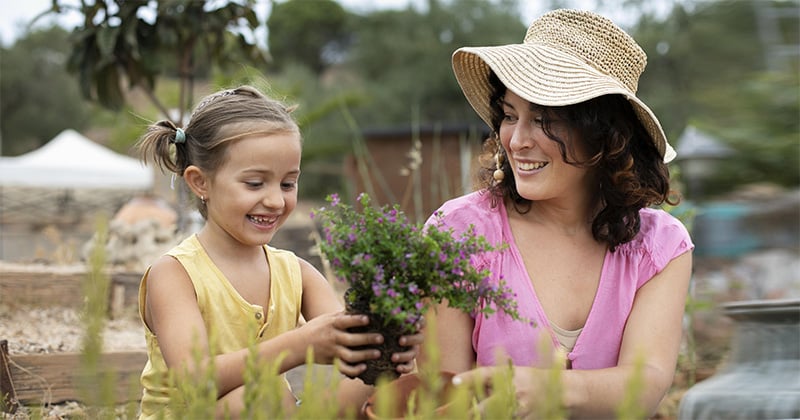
(228, 317)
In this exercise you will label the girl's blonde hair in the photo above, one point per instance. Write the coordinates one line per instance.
(218, 119)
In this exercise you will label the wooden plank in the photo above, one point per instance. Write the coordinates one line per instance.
(8, 397)
(53, 378)
(41, 288)
(61, 286)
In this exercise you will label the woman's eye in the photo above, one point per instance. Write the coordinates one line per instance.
(509, 117)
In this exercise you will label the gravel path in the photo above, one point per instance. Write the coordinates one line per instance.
(33, 330)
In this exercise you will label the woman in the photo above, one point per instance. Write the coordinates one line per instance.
(576, 163)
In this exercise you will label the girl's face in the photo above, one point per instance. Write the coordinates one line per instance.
(252, 194)
(539, 170)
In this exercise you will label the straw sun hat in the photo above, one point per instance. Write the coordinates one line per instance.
(567, 57)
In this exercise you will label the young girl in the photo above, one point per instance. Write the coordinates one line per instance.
(240, 157)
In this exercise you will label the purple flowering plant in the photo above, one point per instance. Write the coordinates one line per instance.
(399, 268)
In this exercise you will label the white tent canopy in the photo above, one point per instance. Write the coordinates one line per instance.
(71, 160)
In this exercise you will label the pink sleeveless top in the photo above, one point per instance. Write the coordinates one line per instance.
(661, 238)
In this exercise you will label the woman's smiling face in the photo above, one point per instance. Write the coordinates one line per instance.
(540, 171)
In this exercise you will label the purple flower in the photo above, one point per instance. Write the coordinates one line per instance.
(396, 262)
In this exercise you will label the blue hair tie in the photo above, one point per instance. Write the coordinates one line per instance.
(180, 136)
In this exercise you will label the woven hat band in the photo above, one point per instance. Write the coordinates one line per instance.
(594, 39)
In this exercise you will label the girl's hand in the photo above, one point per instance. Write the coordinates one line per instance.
(328, 336)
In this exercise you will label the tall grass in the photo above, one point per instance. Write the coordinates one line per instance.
(195, 395)
(264, 386)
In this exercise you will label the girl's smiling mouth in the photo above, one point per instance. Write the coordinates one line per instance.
(262, 220)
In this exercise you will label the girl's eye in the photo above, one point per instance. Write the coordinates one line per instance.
(289, 185)
(254, 184)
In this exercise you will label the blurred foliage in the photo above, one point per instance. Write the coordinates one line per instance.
(707, 67)
(312, 33)
(38, 99)
(401, 58)
(116, 45)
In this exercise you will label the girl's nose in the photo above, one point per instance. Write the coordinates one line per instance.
(273, 198)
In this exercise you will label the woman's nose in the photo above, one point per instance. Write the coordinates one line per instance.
(522, 137)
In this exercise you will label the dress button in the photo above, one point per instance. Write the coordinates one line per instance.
(258, 315)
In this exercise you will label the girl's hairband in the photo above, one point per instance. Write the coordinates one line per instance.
(180, 136)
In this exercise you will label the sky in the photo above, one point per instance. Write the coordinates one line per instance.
(17, 13)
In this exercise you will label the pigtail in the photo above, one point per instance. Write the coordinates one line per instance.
(156, 146)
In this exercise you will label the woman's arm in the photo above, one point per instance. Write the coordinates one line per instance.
(453, 328)
(651, 340)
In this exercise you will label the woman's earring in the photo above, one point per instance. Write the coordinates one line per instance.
(498, 173)
(203, 199)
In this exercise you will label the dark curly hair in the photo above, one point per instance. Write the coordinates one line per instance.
(630, 171)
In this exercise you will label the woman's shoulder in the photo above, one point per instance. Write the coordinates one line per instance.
(474, 208)
(470, 205)
(658, 222)
(661, 235)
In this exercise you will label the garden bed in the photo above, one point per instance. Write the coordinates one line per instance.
(40, 307)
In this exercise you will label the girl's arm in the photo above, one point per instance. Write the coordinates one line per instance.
(651, 340)
(320, 301)
(172, 314)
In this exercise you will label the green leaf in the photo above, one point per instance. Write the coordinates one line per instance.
(107, 40)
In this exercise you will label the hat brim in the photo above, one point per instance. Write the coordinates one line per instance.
(550, 78)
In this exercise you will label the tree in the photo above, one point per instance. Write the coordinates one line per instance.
(708, 67)
(116, 45)
(402, 58)
(309, 32)
(38, 98)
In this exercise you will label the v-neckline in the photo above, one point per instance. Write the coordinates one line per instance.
(508, 236)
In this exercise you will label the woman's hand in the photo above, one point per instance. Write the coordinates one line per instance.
(405, 360)
(530, 387)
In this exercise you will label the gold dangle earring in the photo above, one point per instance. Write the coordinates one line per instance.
(498, 173)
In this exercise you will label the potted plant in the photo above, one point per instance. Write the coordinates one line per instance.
(396, 269)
